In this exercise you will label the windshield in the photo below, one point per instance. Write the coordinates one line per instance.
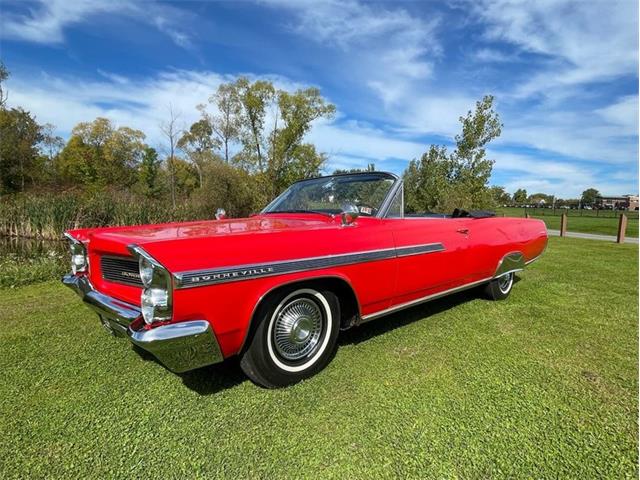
(332, 195)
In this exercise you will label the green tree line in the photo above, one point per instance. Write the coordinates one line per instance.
(246, 147)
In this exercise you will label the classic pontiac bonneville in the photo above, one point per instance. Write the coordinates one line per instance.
(276, 288)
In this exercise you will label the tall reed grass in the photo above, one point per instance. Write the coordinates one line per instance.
(48, 215)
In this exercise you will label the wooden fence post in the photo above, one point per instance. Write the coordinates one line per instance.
(622, 228)
(563, 225)
(526, 215)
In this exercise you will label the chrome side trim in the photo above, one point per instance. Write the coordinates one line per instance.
(511, 262)
(419, 249)
(418, 301)
(197, 278)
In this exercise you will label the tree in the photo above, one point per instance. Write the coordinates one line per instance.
(500, 195)
(186, 176)
(149, 173)
(540, 199)
(270, 125)
(289, 157)
(371, 167)
(254, 99)
(50, 145)
(19, 138)
(231, 188)
(171, 131)
(100, 154)
(226, 122)
(427, 181)
(198, 143)
(4, 95)
(520, 196)
(442, 181)
(589, 196)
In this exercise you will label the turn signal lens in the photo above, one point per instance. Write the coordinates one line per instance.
(154, 305)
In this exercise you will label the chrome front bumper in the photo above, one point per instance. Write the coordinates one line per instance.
(180, 346)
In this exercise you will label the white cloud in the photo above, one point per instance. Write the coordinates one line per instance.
(560, 177)
(588, 41)
(142, 104)
(46, 23)
(374, 145)
(388, 49)
(607, 135)
(623, 113)
(492, 55)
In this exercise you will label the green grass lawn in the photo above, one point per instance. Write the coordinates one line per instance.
(606, 224)
(542, 385)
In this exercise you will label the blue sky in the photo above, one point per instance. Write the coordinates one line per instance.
(564, 73)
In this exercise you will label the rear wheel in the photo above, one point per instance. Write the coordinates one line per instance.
(295, 337)
(500, 288)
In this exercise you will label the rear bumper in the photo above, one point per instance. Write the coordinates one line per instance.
(179, 346)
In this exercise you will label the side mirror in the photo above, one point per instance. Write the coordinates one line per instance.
(221, 214)
(349, 215)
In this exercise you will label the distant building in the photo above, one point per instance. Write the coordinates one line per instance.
(625, 202)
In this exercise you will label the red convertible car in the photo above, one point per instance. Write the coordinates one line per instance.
(276, 288)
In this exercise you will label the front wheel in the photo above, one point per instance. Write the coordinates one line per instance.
(296, 337)
(500, 288)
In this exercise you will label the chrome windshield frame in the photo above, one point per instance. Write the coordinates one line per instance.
(384, 206)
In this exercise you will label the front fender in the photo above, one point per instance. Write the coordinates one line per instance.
(230, 307)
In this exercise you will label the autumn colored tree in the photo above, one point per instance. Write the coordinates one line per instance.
(100, 154)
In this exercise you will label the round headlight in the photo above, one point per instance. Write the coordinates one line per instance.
(146, 271)
(152, 300)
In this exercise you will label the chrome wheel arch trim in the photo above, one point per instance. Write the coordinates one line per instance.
(301, 281)
(510, 263)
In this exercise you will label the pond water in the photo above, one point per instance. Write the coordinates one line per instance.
(28, 248)
(24, 261)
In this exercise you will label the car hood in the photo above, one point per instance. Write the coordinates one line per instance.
(213, 228)
(188, 245)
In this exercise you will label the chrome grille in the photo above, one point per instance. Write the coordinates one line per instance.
(120, 270)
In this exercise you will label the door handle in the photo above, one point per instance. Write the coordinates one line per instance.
(464, 231)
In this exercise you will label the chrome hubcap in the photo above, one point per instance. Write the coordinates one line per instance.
(298, 328)
(504, 282)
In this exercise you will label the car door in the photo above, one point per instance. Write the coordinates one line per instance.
(432, 255)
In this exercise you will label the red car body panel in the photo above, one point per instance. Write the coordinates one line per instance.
(469, 251)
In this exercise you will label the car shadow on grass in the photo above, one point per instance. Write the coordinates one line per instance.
(228, 374)
(390, 322)
(206, 380)
(215, 378)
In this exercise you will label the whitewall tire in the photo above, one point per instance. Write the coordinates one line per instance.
(294, 338)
